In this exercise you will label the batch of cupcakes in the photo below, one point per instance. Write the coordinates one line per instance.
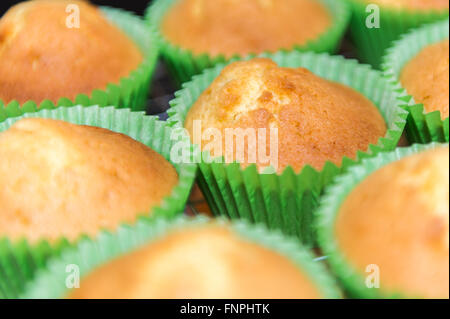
(92, 196)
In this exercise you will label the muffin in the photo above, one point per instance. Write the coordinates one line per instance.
(301, 118)
(76, 179)
(62, 183)
(244, 27)
(412, 255)
(419, 63)
(425, 77)
(317, 120)
(190, 259)
(190, 29)
(209, 262)
(374, 30)
(42, 58)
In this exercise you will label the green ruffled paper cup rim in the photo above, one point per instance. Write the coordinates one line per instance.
(352, 280)
(130, 92)
(19, 259)
(422, 127)
(286, 201)
(88, 254)
(183, 63)
(372, 43)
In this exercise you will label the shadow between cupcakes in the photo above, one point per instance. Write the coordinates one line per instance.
(130, 92)
(19, 260)
(287, 201)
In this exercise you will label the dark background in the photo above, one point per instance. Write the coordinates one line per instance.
(138, 6)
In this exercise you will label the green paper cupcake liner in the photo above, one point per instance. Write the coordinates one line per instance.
(88, 255)
(371, 43)
(19, 260)
(353, 281)
(183, 64)
(130, 92)
(421, 127)
(286, 201)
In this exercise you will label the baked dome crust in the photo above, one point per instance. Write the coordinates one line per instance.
(60, 179)
(231, 27)
(199, 262)
(426, 78)
(41, 58)
(317, 120)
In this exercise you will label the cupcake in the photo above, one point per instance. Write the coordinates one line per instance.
(376, 23)
(80, 179)
(276, 130)
(70, 50)
(191, 259)
(412, 5)
(425, 77)
(411, 258)
(190, 29)
(317, 120)
(420, 62)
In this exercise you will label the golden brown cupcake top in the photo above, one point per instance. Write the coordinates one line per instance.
(317, 120)
(425, 77)
(231, 27)
(60, 179)
(199, 262)
(42, 58)
(398, 219)
(413, 4)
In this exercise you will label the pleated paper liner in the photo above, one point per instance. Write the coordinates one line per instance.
(130, 92)
(183, 63)
(421, 126)
(371, 43)
(19, 259)
(89, 254)
(350, 278)
(287, 201)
